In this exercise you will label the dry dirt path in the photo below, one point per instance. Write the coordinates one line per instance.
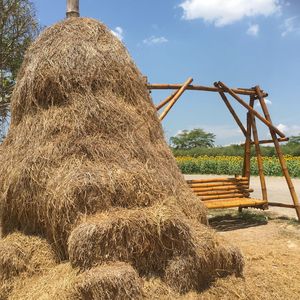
(277, 191)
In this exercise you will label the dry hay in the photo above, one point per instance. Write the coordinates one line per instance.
(111, 281)
(21, 256)
(85, 158)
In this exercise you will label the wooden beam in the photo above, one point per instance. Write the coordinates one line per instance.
(247, 154)
(279, 154)
(232, 111)
(252, 110)
(175, 98)
(167, 100)
(157, 86)
(281, 205)
(72, 8)
(258, 155)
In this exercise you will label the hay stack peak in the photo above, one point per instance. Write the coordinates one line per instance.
(86, 167)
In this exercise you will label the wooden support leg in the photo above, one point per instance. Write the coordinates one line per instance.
(279, 153)
(258, 155)
(247, 155)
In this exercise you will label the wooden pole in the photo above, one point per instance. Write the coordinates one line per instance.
(158, 86)
(167, 100)
(252, 110)
(232, 111)
(279, 153)
(280, 140)
(175, 98)
(247, 154)
(258, 155)
(72, 8)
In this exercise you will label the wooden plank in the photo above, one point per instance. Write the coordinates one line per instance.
(212, 193)
(224, 179)
(175, 98)
(216, 189)
(253, 111)
(235, 202)
(222, 197)
(158, 86)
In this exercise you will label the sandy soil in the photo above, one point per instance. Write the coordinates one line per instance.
(277, 191)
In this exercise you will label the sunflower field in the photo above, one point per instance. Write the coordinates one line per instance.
(233, 165)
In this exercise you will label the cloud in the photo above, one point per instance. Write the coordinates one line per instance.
(153, 40)
(291, 25)
(289, 129)
(253, 30)
(118, 32)
(221, 12)
(268, 102)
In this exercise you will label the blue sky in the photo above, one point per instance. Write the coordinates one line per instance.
(240, 42)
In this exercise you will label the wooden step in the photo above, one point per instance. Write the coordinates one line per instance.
(234, 202)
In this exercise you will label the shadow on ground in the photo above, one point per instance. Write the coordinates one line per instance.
(230, 222)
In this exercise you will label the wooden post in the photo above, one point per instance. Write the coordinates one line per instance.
(252, 110)
(72, 8)
(167, 100)
(279, 153)
(232, 111)
(247, 154)
(258, 155)
(175, 98)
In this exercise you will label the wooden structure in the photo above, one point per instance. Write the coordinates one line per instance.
(235, 192)
(72, 8)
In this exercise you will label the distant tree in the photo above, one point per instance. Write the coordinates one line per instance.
(18, 28)
(295, 139)
(186, 139)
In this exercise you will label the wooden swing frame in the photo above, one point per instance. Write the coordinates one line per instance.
(235, 192)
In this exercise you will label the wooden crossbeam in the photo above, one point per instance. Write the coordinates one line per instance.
(252, 110)
(175, 98)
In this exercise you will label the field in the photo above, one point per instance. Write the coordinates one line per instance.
(232, 165)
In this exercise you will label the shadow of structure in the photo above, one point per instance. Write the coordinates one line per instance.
(230, 222)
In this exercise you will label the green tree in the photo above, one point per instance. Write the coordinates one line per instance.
(186, 139)
(18, 28)
(295, 139)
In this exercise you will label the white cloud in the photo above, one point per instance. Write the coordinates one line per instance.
(118, 32)
(289, 129)
(268, 102)
(253, 30)
(225, 12)
(154, 40)
(291, 25)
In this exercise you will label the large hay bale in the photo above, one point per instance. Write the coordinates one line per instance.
(112, 281)
(85, 159)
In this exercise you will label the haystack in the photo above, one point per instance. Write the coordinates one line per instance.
(85, 165)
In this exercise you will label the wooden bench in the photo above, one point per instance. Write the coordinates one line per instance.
(225, 192)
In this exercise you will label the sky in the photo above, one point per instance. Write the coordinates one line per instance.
(240, 42)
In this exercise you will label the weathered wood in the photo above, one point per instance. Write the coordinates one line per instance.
(252, 110)
(218, 179)
(261, 142)
(236, 202)
(221, 188)
(238, 91)
(222, 197)
(258, 155)
(175, 98)
(247, 154)
(167, 100)
(72, 8)
(229, 192)
(281, 205)
(232, 111)
(279, 153)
